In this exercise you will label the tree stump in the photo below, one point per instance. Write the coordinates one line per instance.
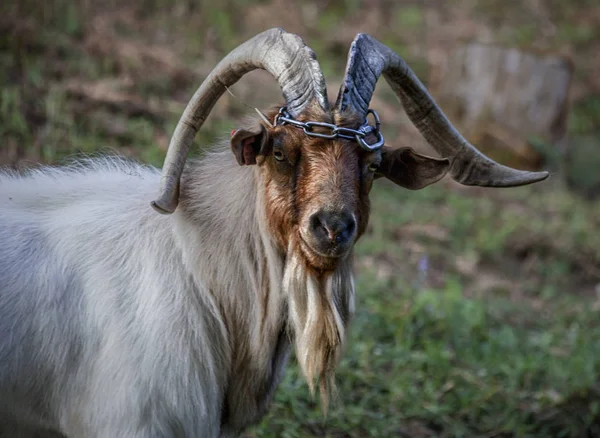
(506, 101)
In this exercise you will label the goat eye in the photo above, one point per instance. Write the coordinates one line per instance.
(373, 167)
(278, 154)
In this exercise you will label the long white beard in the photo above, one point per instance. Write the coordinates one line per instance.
(320, 309)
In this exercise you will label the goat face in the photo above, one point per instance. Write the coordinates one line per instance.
(317, 190)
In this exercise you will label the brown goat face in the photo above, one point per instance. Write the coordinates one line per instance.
(317, 190)
(329, 181)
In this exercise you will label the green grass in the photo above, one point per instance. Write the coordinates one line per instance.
(477, 310)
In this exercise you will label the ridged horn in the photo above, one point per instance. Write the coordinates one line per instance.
(367, 60)
(289, 60)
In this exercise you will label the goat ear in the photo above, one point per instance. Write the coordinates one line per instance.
(411, 170)
(248, 144)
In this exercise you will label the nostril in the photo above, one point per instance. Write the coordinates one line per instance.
(319, 228)
(346, 230)
(351, 225)
(316, 223)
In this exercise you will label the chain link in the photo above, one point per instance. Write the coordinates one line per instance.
(359, 135)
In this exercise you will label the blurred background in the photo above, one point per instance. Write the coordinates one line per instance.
(478, 309)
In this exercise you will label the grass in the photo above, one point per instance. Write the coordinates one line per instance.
(478, 309)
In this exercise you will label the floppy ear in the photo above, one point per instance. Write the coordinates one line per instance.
(411, 170)
(248, 144)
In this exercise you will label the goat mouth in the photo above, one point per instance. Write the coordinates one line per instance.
(318, 259)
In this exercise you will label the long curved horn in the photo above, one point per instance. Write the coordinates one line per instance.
(367, 60)
(284, 55)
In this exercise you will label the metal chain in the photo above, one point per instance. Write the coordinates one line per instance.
(284, 118)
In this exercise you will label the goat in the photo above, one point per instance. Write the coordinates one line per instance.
(119, 322)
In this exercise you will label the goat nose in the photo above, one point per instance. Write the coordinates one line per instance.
(334, 227)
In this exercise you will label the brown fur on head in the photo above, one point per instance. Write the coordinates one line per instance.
(304, 175)
(317, 206)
